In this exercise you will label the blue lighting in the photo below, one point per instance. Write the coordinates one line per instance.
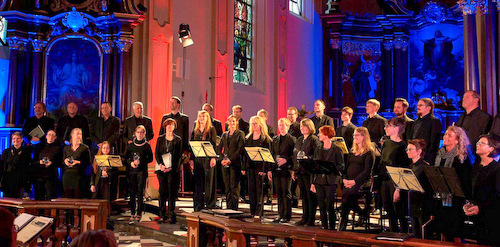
(4, 78)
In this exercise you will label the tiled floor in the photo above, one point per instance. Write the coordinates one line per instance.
(137, 241)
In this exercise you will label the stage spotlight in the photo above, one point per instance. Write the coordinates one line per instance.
(185, 35)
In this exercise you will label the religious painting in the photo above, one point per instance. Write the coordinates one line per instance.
(361, 72)
(437, 65)
(73, 69)
(242, 70)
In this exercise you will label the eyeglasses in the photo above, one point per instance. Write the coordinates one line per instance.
(480, 143)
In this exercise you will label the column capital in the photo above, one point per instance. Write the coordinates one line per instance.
(335, 43)
(38, 45)
(470, 7)
(124, 44)
(16, 43)
(401, 44)
(388, 45)
(107, 46)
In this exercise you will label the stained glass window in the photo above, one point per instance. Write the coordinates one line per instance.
(242, 70)
(295, 6)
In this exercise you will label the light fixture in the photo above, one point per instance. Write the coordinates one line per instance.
(185, 35)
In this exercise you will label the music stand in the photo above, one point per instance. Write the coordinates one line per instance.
(340, 142)
(108, 160)
(203, 149)
(405, 179)
(259, 154)
(444, 180)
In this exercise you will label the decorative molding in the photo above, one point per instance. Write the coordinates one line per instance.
(335, 43)
(399, 6)
(75, 20)
(401, 44)
(107, 46)
(38, 45)
(16, 43)
(161, 12)
(361, 48)
(221, 11)
(124, 44)
(434, 12)
(87, 6)
(470, 7)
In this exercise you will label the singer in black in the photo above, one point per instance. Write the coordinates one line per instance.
(47, 158)
(257, 137)
(325, 185)
(138, 155)
(230, 149)
(359, 165)
(393, 154)
(76, 157)
(486, 191)
(282, 149)
(204, 168)
(100, 181)
(304, 148)
(15, 162)
(168, 155)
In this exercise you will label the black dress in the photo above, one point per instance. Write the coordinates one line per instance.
(358, 169)
(255, 181)
(326, 185)
(15, 164)
(205, 189)
(169, 181)
(46, 178)
(421, 203)
(73, 177)
(232, 147)
(309, 199)
(283, 146)
(138, 150)
(486, 195)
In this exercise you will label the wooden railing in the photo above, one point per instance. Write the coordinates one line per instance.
(208, 230)
(71, 216)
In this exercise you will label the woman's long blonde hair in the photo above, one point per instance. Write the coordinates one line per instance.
(99, 152)
(263, 127)
(208, 126)
(366, 145)
(463, 142)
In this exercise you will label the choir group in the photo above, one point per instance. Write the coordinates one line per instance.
(471, 147)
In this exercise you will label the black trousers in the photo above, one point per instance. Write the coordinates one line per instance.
(136, 180)
(13, 184)
(395, 211)
(255, 191)
(281, 182)
(309, 199)
(231, 176)
(45, 188)
(326, 201)
(169, 184)
(205, 187)
(103, 191)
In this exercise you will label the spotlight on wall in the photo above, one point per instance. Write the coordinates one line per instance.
(185, 35)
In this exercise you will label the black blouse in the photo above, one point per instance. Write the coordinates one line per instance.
(486, 187)
(333, 154)
(307, 145)
(393, 154)
(15, 160)
(232, 146)
(143, 150)
(258, 166)
(82, 154)
(359, 167)
(283, 146)
(164, 146)
(53, 152)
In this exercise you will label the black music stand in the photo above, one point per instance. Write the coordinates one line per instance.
(444, 180)
(319, 167)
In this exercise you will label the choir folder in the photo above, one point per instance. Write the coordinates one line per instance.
(30, 227)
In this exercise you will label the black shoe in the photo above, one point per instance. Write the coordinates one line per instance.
(285, 220)
(300, 223)
(277, 220)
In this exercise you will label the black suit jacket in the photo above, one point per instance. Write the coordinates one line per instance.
(218, 126)
(66, 124)
(283, 146)
(408, 127)
(375, 126)
(322, 121)
(242, 125)
(346, 132)
(109, 133)
(182, 129)
(308, 146)
(130, 124)
(475, 124)
(233, 146)
(336, 157)
(175, 148)
(295, 129)
(45, 122)
(428, 128)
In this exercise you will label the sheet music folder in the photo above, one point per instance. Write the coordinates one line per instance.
(444, 180)
(109, 160)
(404, 179)
(340, 142)
(319, 167)
(37, 132)
(260, 154)
(203, 149)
